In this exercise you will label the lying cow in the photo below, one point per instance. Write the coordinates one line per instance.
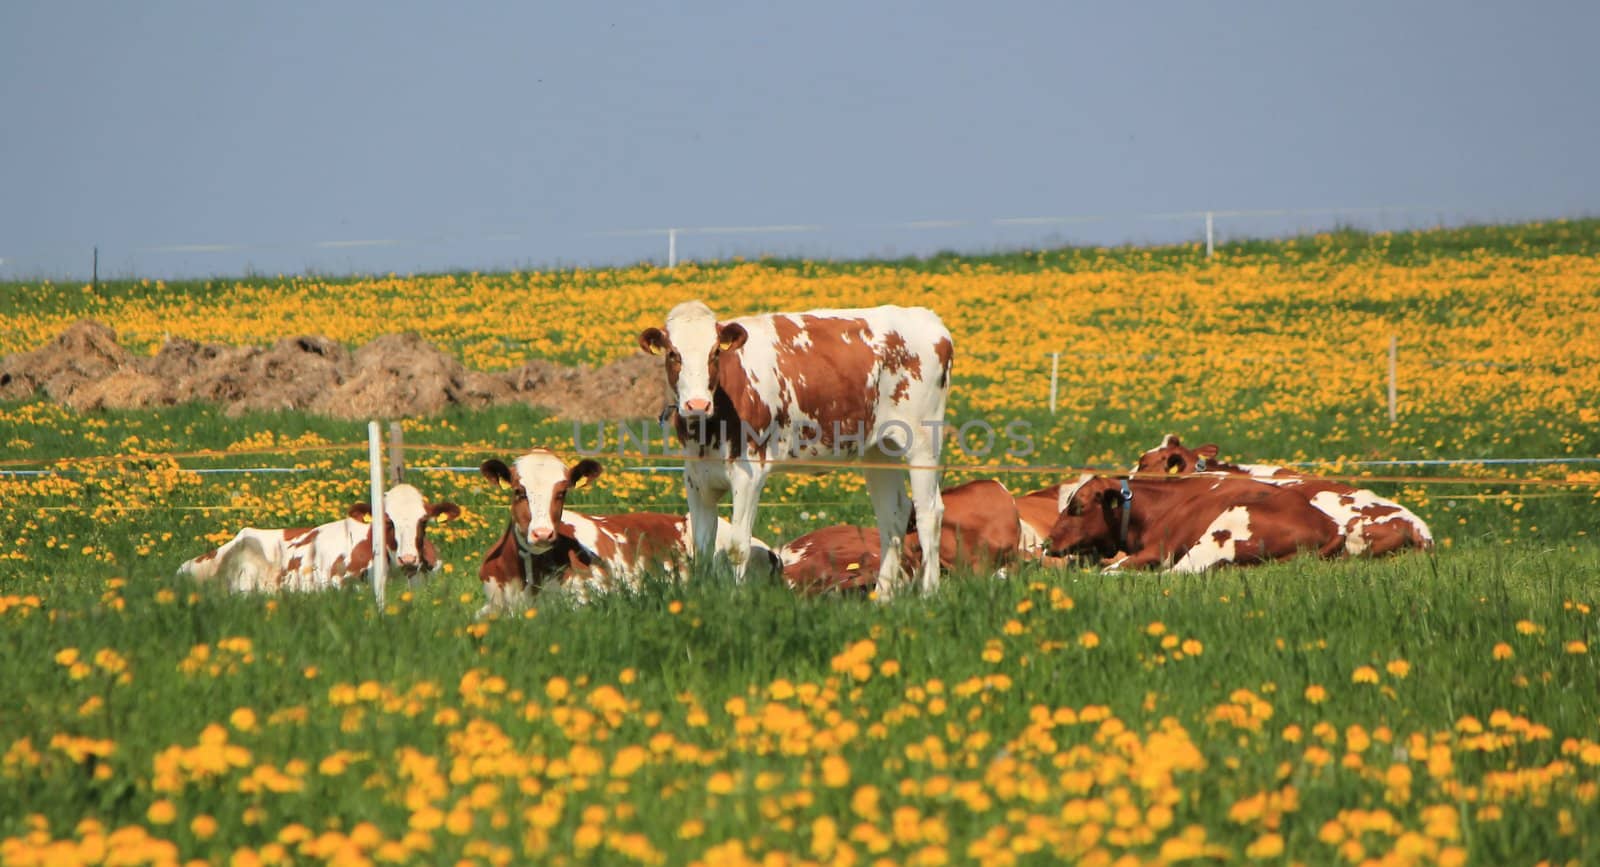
(545, 542)
(331, 555)
(980, 533)
(1373, 526)
(1188, 523)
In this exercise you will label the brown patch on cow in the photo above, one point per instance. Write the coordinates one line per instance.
(292, 534)
(360, 558)
(639, 538)
(897, 357)
(980, 531)
(840, 557)
(821, 373)
(294, 563)
(209, 555)
(503, 564)
(1373, 511)
(1221, 536)
(336, 569)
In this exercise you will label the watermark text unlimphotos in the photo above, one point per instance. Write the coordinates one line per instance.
(974, 438)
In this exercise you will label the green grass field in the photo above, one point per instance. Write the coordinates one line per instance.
(1430, 708)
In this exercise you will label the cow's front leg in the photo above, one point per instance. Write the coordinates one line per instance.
(748, 480)
(703, 496)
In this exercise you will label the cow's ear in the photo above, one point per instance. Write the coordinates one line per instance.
(495, 470)
(731, 336)
(361, 512)
(1207, 451)
(1171, 442)
(443, 512)
(583, 472)
(653, 341)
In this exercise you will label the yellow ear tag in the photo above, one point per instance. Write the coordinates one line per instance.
(366, 517)
(582, 480)
(852, 567)
(442, 518)
(502, 483)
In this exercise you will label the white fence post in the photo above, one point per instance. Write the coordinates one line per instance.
(380, 553)
(1210, 235)
(1394, 384)
(672, 248)
(1055, 369)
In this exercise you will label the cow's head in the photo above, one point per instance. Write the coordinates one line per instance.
(692, 341)
(539, 482)
(1090, 518)
(1172, 458)
(406, 528)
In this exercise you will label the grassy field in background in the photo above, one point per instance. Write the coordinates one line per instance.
(1439, 708)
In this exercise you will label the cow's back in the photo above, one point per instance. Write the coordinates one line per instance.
(845, 372)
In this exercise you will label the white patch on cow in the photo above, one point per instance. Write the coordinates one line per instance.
(692, 330)
(406, 510)
(539, 472)
(1064, 498)
(1030, 541)
(1207, 552)
(1271, 473)
(1346, 511)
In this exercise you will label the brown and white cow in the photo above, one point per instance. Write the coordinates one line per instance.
(1188, 523)
(330, 555)
(757, 393)
(980, 533)
(1373, 526)
(547, 543)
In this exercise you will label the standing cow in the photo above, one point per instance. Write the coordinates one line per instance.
(755, 393)
(331, 555)
(1373, 526)
(547, 543)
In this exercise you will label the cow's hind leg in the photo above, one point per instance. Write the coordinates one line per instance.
(893, 511)
(1385, 537)
(929, 505)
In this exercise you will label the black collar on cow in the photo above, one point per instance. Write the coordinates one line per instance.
(524, 553)
(1127, 514)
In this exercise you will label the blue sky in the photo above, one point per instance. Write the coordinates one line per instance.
(486, 135)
